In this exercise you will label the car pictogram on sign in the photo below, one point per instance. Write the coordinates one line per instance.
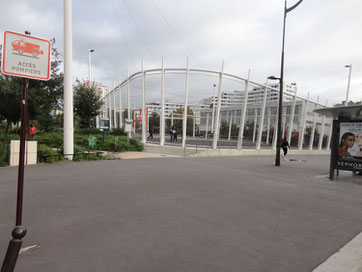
(24, 47)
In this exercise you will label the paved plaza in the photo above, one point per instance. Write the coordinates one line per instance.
(237, 213)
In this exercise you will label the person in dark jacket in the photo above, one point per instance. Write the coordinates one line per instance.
(285, 145)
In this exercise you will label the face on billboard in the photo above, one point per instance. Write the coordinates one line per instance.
(350, 143)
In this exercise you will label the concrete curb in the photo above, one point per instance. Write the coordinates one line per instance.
(348, 258)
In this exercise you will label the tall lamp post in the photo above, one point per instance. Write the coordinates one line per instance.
(349, 81)
(90, 65)
(281, 80)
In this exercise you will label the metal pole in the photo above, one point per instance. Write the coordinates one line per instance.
(184, 121)
(291, 121)
(114, 105)
(279, 133)
(143, 107)
(129, 102)
(230, 125)
(213, 109)
(301, 136)
(217, 119)
(255, 121)
(330, 136)
(261, 123)
(162, 120)
(313, 129)
(207, 125)
(268, 127)
(68, 86)
(120, 103)
(89, 67)
(243, 114)
(322, 133)
(349, 81)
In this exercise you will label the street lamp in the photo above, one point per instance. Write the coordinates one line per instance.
(279, 133)
(349, 81)
(89, 66)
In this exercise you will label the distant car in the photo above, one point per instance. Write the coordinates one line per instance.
(25, 47)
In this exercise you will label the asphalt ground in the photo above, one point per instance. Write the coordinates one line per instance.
(181, 214)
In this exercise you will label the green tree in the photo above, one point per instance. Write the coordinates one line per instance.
(177, 123)
(44, 96)
(87, 104)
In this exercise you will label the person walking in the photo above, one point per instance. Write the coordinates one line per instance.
(285, 145)
(151, 134)
(171, 133)
(174, 132)
(32, 131)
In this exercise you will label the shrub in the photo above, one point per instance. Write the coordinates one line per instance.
(118, 131)
(50, 139)
(49, 155)
(88, 131)
(3, 156)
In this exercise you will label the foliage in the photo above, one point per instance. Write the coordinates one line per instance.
(3, 155)
(118, 131)
(53, 139)
(87, 104)
(154, 121)
(224, 129)
(177, 123)
(43, 96)
(48, 155)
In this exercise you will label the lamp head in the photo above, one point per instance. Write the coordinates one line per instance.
(273, 78)
(347, 66)
(91, 50)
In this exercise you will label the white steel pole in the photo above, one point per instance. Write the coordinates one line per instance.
(120, 103)
(114, 105)
(243, 114)
(230, 125)
(261, 122)
(321, 133)
(274, 142)
(129, 102)
(162, 120)
(184, 121)
(194, 126)
(268, 127)
(207, 125)
(217, 119)
(291, 121)
(349, 82)
(143, 107)
(89, 67)
(255, 121)
(68, 84)
(213, 109)
(109, 110)
(301, 136)
(314, 126)
(330, 135)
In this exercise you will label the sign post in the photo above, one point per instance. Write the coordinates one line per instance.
(27, 57)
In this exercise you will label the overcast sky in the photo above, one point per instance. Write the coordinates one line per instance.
(322, 36)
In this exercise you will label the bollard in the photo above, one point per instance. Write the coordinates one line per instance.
(13, 249)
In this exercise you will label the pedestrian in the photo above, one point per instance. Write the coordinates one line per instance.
(285, 145)
(171, 133)
(32, 131)
(151, 134)
(174, 132)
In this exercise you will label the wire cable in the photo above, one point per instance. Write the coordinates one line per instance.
(139, 32)
(122, 34)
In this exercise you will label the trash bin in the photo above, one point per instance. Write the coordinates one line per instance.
(92, 141)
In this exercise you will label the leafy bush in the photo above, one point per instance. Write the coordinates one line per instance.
(3, 156)
(52, 139)
(88, 131)
(118, 131)
(49, 155)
